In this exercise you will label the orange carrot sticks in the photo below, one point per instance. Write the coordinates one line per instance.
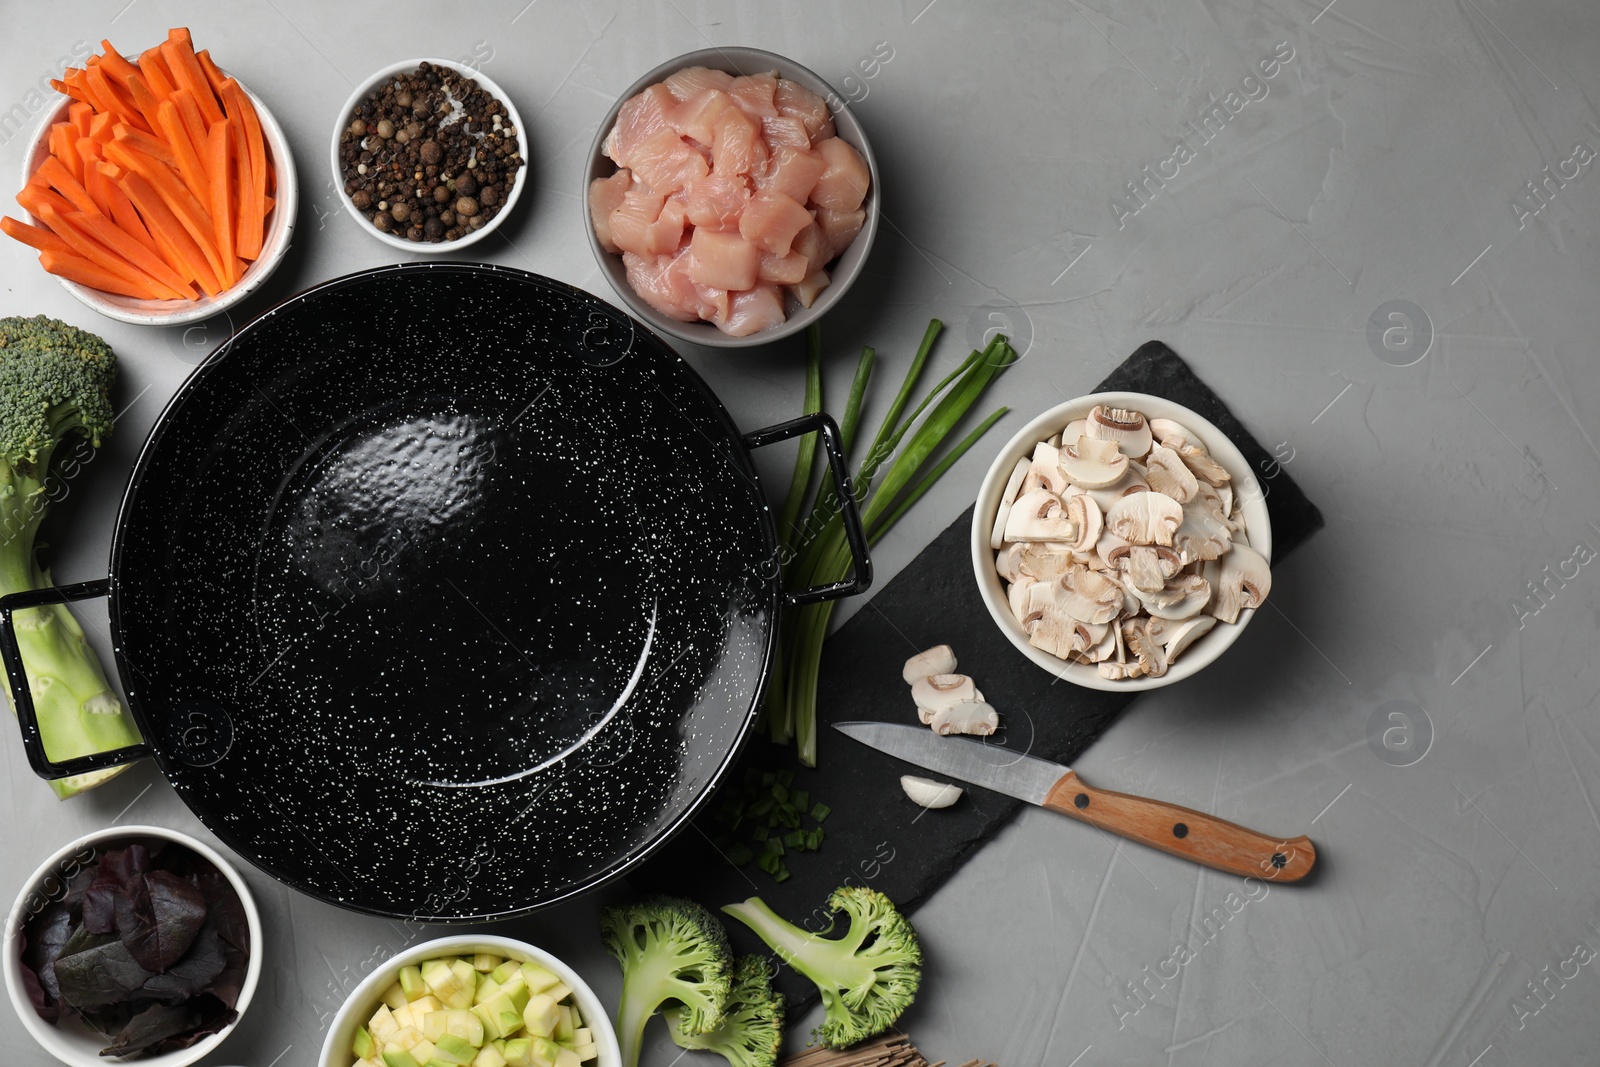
(219, 173)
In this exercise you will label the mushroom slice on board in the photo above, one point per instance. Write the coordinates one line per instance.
(1044, 471)
(1126, 427)
(1148, 518)
(1007, 498)
(1093, 464)
(939, 691)
(1039, 516)
(1089, 596)
(1181, 598)
(1166, 473)
(966, 717)
(1243, 582)
(1179, 636)
(940, 659)
(929, 793)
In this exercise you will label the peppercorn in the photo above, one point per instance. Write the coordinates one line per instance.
(383, 222)
(358, 128)
(447, 217)
(362, 200)
(466, 185)
(489, 195)
(431, 152)
(466, 206)
(401, 211)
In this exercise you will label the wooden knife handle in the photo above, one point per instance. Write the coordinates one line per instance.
(1194, 835)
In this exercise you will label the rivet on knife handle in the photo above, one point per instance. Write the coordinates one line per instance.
(1194, 835)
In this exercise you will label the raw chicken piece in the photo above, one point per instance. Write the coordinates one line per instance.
(808, 291)
(755, 93)
(641, 118)
(605, 196)
(811, 243)
(696, 115)
(663, 282)
(754, 310)
(792, 172)
(665, 163)
(785, 131)
(647, 224)
(783, 270)
(839, 228)
(717, 200)
(795, 101)
(771, 221)
(736, 146)
(692, 81)
(722, 260)
(843, 185)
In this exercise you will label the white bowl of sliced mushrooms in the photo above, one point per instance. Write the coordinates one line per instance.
(1121, 541)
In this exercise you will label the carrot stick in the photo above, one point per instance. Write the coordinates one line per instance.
(94, 183)
(88, 150)
(144, 98)
(80, 270)
(126, 216)
(54, 173)
(169, 232)
(108, 234)
(252, 212)
(214, 73)
(80, 115)
(36, 236)
(178, 51)
(154, 69)
(195, 218)
(70, 87)
(102, 126)
(189, 165)
(36, 194)
(117, 68)
(193, 121)
(63, 139)
(144, 143)
(219, 175)
(67, 228)
(112, 98)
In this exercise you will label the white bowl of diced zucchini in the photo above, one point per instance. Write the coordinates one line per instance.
(472, 1002)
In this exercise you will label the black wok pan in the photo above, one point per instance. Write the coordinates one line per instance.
(443, 591)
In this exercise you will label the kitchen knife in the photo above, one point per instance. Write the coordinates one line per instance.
(1194, 835)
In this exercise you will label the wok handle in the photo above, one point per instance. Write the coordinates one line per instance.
(861, 574)
(22, 696)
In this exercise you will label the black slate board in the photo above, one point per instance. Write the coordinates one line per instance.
(874, 836)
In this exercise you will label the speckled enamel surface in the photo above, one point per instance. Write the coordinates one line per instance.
(444, 591)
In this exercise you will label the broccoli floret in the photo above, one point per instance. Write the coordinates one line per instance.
(55, 404)
(670, 949)
(751, 1030)
(866, 978)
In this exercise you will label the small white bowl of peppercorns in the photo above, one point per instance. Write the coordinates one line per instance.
(429, 152)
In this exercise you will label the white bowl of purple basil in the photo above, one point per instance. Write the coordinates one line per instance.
(136, 942)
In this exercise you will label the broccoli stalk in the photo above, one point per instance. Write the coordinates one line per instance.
(670, 949)
(751, 1031)
(55, 385)
(866, 978)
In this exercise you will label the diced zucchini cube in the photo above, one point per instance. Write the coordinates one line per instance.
(505, 970)
(407, 1037)
(395, 997)
(487, 987)
(485, 962)
(545, 1051)
(582, 1035)
(565, 1057)
(561, 991)
(363, 1046)
(564, 1027)
(518, 1052)
(500, 1016)
(382, 1025)
(412, 984)
(586, 1052)
(435, 1025)
(454, 1050)
(488, 1056)
(399, 1057)
(539, 979)
(541, 1015)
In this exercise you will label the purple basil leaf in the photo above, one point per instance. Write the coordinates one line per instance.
(226, 908)
(78, 888)
(168, 913)
(100, 907)
(42, 1004)
(46, 933)
(119, 866)
(97, 970)
(193, 974)
(151, 1027)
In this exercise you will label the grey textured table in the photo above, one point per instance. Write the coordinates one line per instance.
(1060, 170)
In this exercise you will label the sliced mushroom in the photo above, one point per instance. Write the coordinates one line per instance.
(1181, 598)
(966, 717)
(1104, 648)
(1089, 596)
(1093, 464)
(1205, 468)
(929, 793)
(1075, 429)
(1119, 672)
(939, 691)
(1107, 551)
(1244, 581)
(1180, 636)
(1046, 561)
(1083, 511)
(1039, 516)
(1172, 434)
(1126, 427)
(1148, 518)
(1007, 564)
(1044, 471)
(1061, 635)
(1150, 653)
(1201, 535)
(1017, 598)
(1146, 567)
(1007, 498)
(1166, 473)
(939, 659)
(1132, 482)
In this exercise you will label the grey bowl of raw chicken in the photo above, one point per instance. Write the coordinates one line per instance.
(723, 167)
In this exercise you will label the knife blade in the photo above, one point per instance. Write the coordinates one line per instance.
(1180, 831)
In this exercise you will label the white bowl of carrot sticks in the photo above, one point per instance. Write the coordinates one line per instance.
(161, 191)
